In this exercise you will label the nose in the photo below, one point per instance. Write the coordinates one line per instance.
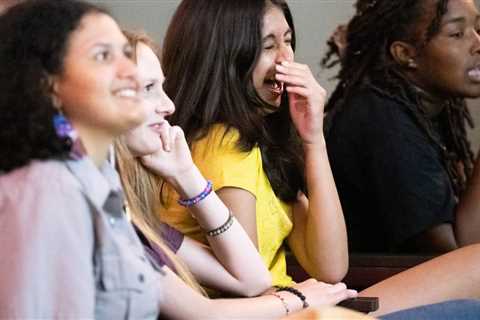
(285, 53)
(127, 69)
(165, 105)
(476, 42)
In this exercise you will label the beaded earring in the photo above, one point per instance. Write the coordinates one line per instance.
(69, 136)
(65, 131)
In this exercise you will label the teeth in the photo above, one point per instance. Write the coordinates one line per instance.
(127, 93)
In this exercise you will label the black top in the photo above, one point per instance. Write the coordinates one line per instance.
(390, 175)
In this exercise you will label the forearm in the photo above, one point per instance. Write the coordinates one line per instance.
(468, 211)
(325, 231)
(234, 252)
(181, 302)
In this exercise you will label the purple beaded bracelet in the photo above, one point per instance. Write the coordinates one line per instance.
(193, 201)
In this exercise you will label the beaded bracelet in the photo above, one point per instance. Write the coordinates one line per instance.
(295, 292)
(284, 303)
(224, 227)
(193, 201)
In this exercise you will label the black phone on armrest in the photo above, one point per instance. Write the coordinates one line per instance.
(361, 304)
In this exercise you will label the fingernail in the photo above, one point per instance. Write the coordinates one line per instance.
(285, 63)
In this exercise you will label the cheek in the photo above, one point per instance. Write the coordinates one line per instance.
(263, 66)
(141, 141)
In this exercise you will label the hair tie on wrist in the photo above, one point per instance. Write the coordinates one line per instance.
(282, 300)
(193, 201)
(295, 292)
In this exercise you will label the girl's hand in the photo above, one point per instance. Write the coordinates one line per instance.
(174, 158)
(307, 100)
(319, 294)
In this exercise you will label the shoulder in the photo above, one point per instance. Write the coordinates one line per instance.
(219, 136)
(40, 187)
(220, 158)
(372, 112)
(370, 103)
(38, 176)
(222, 144)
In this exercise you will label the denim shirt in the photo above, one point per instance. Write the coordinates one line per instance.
(68, 251)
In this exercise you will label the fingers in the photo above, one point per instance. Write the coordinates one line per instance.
(165, 136)
(298, 77)
(340, 292)
(325, 293)
(170, 135)
(293, 68)
(293, 73)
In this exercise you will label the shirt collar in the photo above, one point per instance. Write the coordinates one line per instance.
(97, 183)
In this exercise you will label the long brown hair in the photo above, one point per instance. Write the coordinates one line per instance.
(210, 51)
(142, 188)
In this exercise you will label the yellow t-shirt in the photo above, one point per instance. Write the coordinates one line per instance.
(219, 159)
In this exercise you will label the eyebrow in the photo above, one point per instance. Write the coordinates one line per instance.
(460, 20)
(272, 36)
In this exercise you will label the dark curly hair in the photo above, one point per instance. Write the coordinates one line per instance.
(367, 59)
(209, 54)
(35, 37)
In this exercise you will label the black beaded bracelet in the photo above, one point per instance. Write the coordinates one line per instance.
(224, 227)
(295, 292)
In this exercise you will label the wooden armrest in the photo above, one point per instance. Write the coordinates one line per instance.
(367, 269)
(361, 304)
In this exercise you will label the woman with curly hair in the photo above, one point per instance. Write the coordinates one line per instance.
(69, 88)
(406, 175)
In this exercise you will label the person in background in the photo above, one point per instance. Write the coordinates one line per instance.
(251, 115)
(143, 166)
(397, 127)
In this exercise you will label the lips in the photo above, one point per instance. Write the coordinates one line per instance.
(474, 74)
(156, 127)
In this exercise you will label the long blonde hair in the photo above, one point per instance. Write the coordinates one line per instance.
(143, 190)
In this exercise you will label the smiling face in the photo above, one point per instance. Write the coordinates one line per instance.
(277, 47)
(449, 65)
(98, 87)
(144, 139)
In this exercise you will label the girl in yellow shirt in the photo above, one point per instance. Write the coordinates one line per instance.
(253, 117)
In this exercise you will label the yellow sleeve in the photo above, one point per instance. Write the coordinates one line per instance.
(220, 160)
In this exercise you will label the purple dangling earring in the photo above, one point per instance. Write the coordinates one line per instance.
(70, 138)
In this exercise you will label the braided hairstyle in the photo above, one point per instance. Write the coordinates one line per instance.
(375, 26)
(333, 56)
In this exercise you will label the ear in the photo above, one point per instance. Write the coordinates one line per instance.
(53, 89)
(404, 54)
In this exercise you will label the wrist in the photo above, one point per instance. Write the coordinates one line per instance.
(289, 301)
(296, 293)
(316, 145)
(188, 183)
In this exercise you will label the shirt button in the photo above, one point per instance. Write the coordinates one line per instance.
(112, 221)
(141, 277)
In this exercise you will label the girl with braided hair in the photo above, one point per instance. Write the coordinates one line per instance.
(396, 131)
